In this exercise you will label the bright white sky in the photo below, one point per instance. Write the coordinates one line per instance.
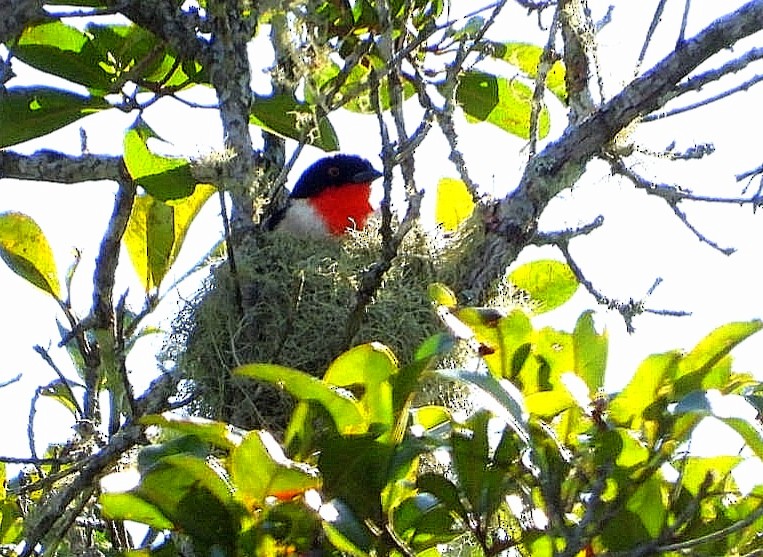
(640, 241)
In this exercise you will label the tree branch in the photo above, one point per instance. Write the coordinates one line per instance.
(562, 162)
(168, 21)
(152, 402)
(53, 166)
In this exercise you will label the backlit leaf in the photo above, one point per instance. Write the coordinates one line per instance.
(454, 203)
(505, 103)
(526, 57)
(165, 178)
(550, 283)
(156, 232)
(285, 116)
(26, 250)
(343, 408)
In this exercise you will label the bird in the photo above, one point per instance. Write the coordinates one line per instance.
(330, 197)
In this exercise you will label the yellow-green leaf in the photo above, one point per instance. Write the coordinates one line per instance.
(156, 232)
(454, 203)
(442, 295)
(506, 103)
(26, 250)
(548, 282)
(526, 57)
(164, 178)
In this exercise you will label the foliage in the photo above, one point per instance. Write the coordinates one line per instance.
(537, 459)
(546, 462)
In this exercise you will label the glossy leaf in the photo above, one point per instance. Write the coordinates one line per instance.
(218, 434)
(366, 370)
(345, 410)
(696, 470)
(30, 112)
(550, 283)
(527, 57)
(505, 103)
(259, 469)
(180, 486)
(445, 491)
(423, 522)
(708, 364)
(506, 339)
(356, 470)
(590, 352)
(285, 116)
(644, 388)
(59, 49)
(164, 178)
(453, 205)
(510, 404)
(156, 232)
(26, 250)
(129, 506)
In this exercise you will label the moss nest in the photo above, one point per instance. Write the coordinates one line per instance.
(298, 295)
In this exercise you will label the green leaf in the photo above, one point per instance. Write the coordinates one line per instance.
(644, 388)
(103, 57)
(30, 112)
(26, 250)
(423, 522)
(259, 469)
(695, 470)
(445, 491)
(526, 57)
(164, 178)
(505, 103)
(732, 410)
(441, 295)
(285, 116)
(345, 410)
(59, 49)
(510, 403)
(507, 339)
(62, 392)
(550, 283)
(345, 532)
(366, 371)
(357, 470)
(708, 365)
(219, 434)
(181, 487)
(129, 506)
(156, 232)
(453, 205)
(590, 352)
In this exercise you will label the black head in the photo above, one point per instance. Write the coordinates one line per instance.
(332, 172)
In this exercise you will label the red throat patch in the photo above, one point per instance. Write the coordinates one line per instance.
(343, 207)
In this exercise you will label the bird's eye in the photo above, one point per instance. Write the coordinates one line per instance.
(334, 171)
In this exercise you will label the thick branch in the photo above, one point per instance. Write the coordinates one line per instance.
(562, 162)
(52, 166)
(231, 76)
(16, 15)
(166, 20)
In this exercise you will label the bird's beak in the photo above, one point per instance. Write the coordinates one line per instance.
(367, 176)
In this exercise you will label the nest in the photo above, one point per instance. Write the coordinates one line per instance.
(298, 295)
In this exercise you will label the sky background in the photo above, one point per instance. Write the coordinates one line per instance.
(640, 241)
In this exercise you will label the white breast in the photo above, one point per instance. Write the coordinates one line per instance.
(302, 219)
